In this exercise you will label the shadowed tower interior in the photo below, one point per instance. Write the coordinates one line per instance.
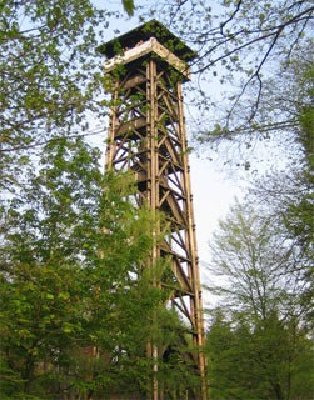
(146, 68)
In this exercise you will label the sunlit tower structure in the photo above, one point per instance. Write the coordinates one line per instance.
(145, 70)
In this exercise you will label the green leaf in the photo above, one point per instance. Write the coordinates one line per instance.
(128, 6)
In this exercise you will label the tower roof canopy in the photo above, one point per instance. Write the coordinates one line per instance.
(143, 32)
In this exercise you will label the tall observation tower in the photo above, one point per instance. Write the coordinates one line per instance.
(146, 68)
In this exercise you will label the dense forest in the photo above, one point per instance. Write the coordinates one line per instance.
(76, 299)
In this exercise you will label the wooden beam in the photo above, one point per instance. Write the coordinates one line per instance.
(142, 49)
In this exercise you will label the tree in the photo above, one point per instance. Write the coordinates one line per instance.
(77, 302)
(287, 197)
(266, 360)
(248, 45)
(259, 346)
(251, 256)
(52, 266)
(49, 73)
(299, 219)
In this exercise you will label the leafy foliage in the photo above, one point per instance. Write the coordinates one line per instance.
(287, 197)
(252, 255)
(128, 6)
(77, 303)
(267, 359)
(242, 46)
(50, 73)
(259, 341)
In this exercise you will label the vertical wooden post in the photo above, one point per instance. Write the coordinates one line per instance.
(196, 301)
(110, 148)
(153, 189)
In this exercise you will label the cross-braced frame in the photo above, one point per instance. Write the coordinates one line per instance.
(147, 136)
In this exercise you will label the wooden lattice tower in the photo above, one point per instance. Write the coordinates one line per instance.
(146, 68)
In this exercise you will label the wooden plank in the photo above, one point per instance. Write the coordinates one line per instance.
(150, 46)
(131, 125)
